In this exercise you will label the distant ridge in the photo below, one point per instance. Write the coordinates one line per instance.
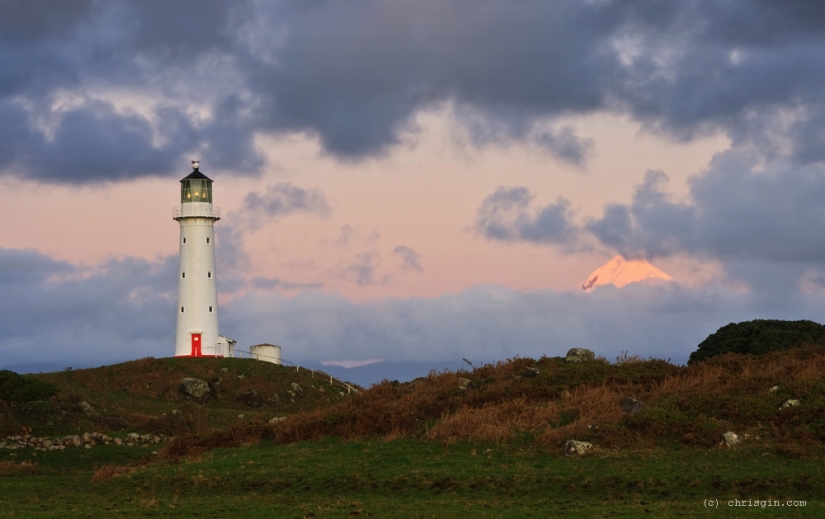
(620, 272)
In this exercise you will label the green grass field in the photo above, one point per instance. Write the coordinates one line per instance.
(406, 478)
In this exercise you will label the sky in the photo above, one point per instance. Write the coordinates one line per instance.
(411, 181)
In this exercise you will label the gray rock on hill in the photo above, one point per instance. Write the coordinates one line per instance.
(576, 448)
(579, 355)
(195, 389)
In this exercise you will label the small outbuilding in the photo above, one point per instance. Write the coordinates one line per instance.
(266, 353)
(225, 346)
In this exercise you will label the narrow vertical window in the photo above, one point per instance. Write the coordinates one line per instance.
(184, 240)
(209, 275)
(207, 240)
(210, 309)
(181, 309)
(183, 275)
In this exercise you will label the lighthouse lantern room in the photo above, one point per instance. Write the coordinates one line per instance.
(197, 331)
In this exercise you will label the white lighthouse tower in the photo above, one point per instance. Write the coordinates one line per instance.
(197, 334)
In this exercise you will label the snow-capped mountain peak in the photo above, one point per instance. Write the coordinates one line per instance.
(620, 272)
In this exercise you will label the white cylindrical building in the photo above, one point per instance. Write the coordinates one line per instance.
(197, 332)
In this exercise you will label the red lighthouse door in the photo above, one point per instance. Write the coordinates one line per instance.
(196, 345)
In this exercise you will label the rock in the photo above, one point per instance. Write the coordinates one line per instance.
(576, 448)
(789, 403)
(250, 398)
(579, 355)
(631, 405)
(275, 399)
(774, 389)
(87, 409)
(296, 388)
(224, 369)
(87, 438)
(240, 416)
(729, 439)
(118, 441)
(195, 389)
(529, 373)
(464, 383)
(277, 419)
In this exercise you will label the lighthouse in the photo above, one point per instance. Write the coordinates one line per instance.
(197, 332)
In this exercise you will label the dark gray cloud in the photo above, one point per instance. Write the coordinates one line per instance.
(508, 215)
(280, 200)
(362, 269)
(410, 258)
(53, 310)
(261, 283)
(355, 75)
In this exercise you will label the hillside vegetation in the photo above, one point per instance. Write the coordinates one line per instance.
(480, 443)
(547, 401)
(144, 396)
(759, 336)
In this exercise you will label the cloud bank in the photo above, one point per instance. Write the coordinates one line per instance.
(151, 84)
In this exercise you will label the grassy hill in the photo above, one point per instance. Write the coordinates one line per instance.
(144, 396)
(480, 443)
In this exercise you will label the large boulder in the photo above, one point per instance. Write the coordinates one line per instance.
(576, 448)
(579, 355)
(195, 389)
(729, 439)
(790, 403)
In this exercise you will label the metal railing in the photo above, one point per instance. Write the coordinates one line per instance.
(177, 212)
(298, 368)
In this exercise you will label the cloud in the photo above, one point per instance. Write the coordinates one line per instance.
(208, 77)
(507, 215)
(270, 283)
(757, 219)
(53, 311)
(362, 268)
(54, 314)
(410, 259)
(280, 200)
(489, 323)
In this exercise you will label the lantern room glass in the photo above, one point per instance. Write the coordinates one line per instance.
(196, 191)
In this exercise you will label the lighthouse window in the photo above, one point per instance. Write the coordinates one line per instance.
(196, 190)
(181, 309)
(207, 240)
(184, 240)
(210, 309)
(183, 275)
(209, 275)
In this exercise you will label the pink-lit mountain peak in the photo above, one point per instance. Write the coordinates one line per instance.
(620, 272)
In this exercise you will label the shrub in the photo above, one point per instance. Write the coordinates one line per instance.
(758, 337)
(20, 388)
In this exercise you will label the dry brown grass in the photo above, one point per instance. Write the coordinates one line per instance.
(12, 468)
(494, 422)
(688, 405)
(107, 472)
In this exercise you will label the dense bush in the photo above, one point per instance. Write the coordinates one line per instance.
(758, 337)
(20, 388)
